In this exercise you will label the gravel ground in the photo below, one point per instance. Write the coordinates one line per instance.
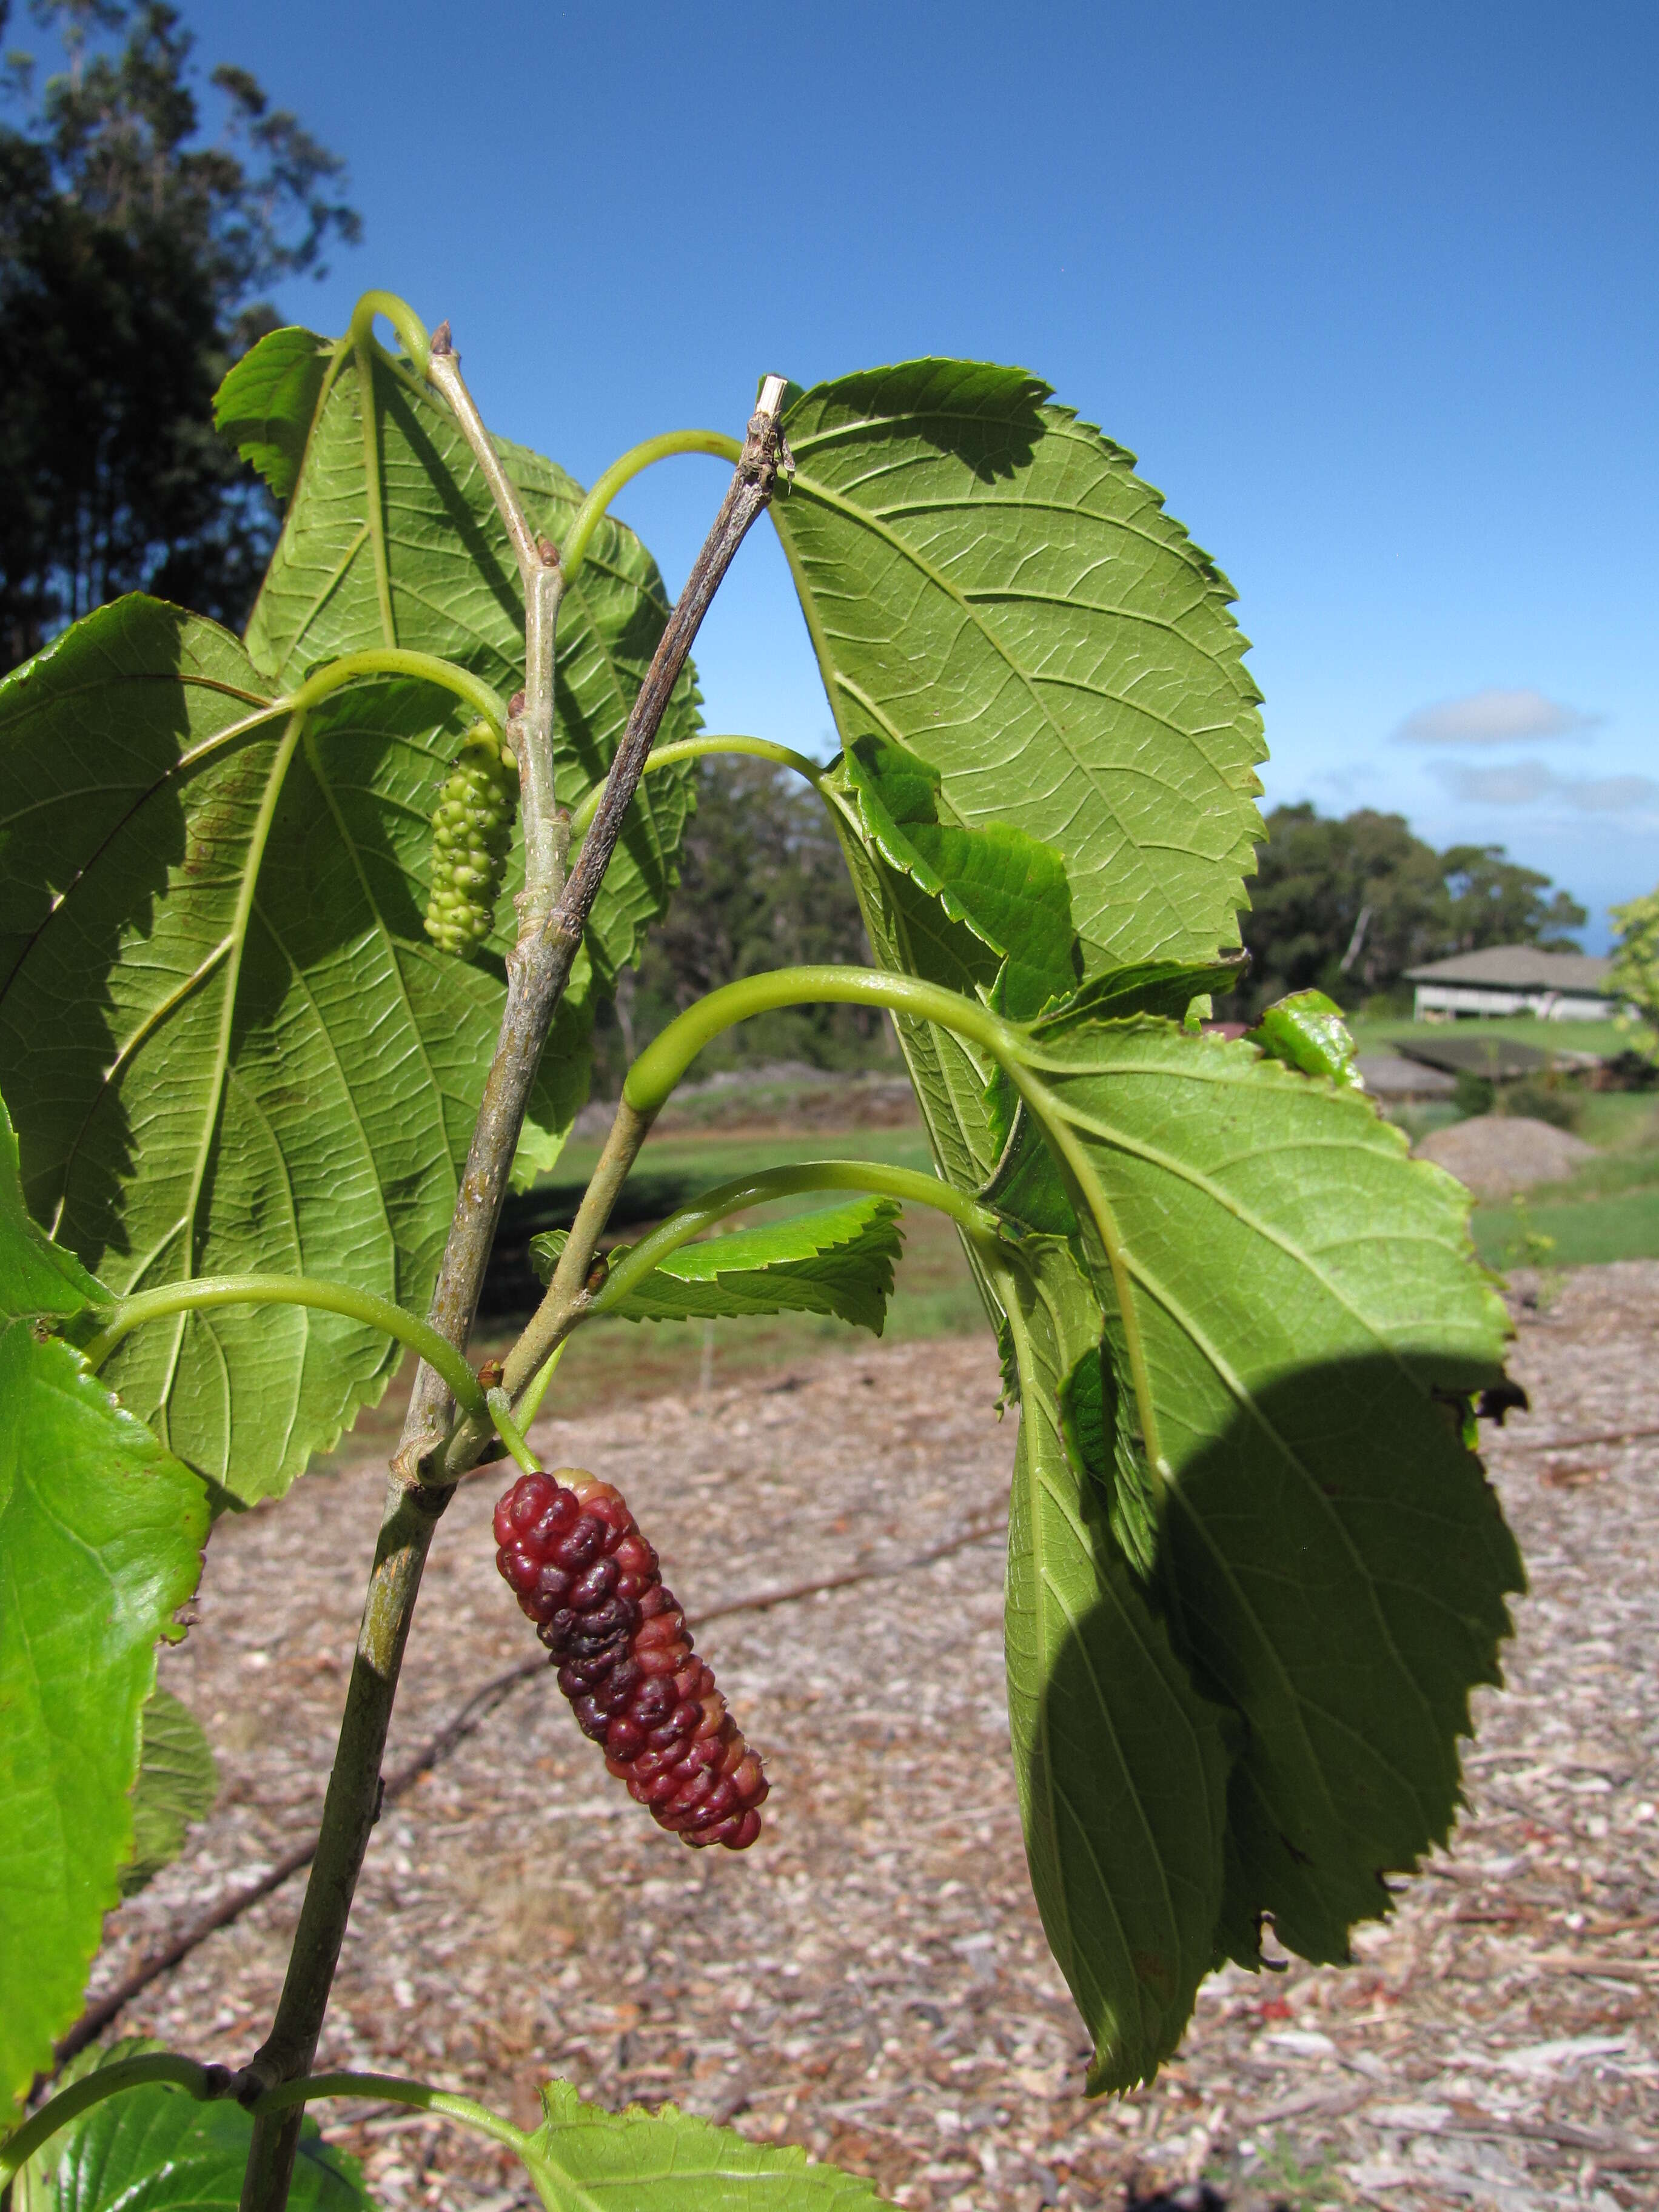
(872, 1981)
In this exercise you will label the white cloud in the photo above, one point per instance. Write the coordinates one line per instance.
(1613, 794)
(1495, 717)
(1528, 783)
(1517, 784)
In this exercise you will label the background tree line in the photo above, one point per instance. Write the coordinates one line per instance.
(132, 258)
(1343, 906)
(134, 255)
(762, 884)
(1347, 907)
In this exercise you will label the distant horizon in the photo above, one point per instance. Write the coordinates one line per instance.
(1362, 291)
(1587, 929)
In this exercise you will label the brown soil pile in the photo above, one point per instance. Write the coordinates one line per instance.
(1498, 1154)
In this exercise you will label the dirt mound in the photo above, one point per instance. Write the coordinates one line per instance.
(1498, 1154)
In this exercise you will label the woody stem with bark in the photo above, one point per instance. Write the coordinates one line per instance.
(553, 916)
(542, 580)
(750, 492)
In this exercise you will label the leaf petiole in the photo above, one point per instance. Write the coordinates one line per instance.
(397, 660)
(694, 749)
(500, 1413)
(651, 1079)
(629, 1269)
(335, 675)
(394, 2089)
(412, 333)
(660, 1067)
(530, 1403)
(209, 1290)
(203, 2082)
(623, 471)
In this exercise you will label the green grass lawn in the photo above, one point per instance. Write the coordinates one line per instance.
(1621, 1122)
(1585, 1230)
(933, 1294)
(1608, 1210)
(1377, 1034)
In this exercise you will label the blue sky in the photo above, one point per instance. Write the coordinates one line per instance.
(1370, 291)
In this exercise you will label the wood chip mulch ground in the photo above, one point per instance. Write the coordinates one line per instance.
(871, 1980)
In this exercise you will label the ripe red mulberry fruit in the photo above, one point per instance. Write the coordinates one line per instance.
(580, 1568)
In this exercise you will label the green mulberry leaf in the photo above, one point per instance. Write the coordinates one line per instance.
(1330, 1560)
(266, 405)
(34, 2186)
(226, 1040)
(1004, 889)
(436, 547)
(1150, 986)
(178, 1782)
(984, 911)
(101, 1543)
(1121, 1765)
(584, 2160)
(987, 582)
(989, 586)
(37, 1277)
(838, 1260)
(155, 2149)
(912, 933)
(1101, 1444)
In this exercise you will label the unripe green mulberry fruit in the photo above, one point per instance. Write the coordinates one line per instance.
(575, 1559)
(471, 835)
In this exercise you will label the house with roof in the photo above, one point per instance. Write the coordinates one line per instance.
(1514, 979)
